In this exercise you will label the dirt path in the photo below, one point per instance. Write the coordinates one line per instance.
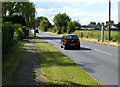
(29, 70)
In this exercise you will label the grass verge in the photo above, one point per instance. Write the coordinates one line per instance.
(60, 71)
(11, 61)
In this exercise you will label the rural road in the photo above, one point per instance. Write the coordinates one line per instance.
(100, 61)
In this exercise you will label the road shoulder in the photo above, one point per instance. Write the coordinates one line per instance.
(115, 44)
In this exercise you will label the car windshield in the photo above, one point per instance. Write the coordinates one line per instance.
(71, 37)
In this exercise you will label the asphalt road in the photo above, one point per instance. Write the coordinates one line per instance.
(100, 61)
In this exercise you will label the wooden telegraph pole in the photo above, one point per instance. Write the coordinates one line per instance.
(109, 18)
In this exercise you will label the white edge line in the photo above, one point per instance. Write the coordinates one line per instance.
(103, 52)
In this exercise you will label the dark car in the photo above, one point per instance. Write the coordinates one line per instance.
(70, 41)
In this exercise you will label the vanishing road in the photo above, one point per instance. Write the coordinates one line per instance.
(100, 61)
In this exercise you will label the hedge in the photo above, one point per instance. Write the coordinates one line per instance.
(12, 34)
(7, 36)
(15, 19)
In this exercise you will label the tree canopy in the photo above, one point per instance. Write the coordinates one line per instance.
(43, 22)
(25, 9)
(61, 20)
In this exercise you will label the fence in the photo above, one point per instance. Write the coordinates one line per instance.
(97, 35)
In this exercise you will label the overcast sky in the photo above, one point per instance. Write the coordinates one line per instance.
(83, 11)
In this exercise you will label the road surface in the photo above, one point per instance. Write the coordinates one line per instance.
(100, 61)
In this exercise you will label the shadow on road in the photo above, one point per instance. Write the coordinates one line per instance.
(46, 38)
(51, 38)
(81, 48)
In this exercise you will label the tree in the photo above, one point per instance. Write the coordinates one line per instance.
(112, 22)
(15, 19)
(26, 9)
(44, 23)
(102, 23)
(71, 27)
(92, 24)
(61, 20)
(98, 23)
(77, 25)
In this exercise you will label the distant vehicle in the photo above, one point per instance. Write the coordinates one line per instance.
(70, 41)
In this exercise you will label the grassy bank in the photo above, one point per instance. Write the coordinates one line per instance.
(60, 71)
(12, 60)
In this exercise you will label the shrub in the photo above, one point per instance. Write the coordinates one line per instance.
(18, 34)
(12, 34)
(26, 31)
(7, 36)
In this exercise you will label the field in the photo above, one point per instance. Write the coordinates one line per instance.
(96, 34)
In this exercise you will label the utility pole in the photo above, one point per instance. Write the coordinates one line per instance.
(109, 18)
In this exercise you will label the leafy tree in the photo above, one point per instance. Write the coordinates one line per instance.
(26, 9)
(112, 22)
(15, 19)
(102, 23)
(61, 20)
(98, 23)
(77, 24)
(44, 23)
(71, 27)
(92, 24)
(63, 29)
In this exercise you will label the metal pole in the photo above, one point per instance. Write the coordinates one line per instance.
(109, 18)
(102, 33)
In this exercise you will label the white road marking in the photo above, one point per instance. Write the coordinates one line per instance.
(103, 52)
(85, 46)
(99, 51)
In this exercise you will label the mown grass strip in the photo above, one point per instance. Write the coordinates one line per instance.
(59, 70)
(11, 61)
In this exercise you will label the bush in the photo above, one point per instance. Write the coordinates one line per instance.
(12, 34)
(18, 34)
(26, 31)
(7, 36)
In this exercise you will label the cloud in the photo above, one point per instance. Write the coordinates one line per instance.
(76, 12)
(83, 17)
(88, 2)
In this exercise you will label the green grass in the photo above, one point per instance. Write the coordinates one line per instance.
(59, 70)
(11, 61)
(96, 34)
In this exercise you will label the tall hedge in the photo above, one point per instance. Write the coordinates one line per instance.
(15, 19)
(12, 34)
(7, 36)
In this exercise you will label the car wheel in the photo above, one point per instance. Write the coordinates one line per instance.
(65, 48)
(61, 46)
(78, 48)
